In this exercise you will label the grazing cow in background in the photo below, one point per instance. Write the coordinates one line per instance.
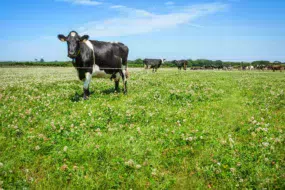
(276, 68)
(98, 59)
(180, 64)
(154, 64)
(260, 67)
(249, 68)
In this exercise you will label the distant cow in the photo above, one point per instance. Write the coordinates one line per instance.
(180, 64)
(260, 67)
(98, 59)
(154, 64)
(276, 68)
(249, 68)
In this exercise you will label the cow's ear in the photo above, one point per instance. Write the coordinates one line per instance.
(84, 38)
(61, 38)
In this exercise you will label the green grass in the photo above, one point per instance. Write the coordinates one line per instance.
(174, 130)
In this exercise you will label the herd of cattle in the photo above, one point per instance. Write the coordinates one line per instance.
(109, 59)
(156, 63)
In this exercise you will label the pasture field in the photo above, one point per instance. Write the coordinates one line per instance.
(174, 130)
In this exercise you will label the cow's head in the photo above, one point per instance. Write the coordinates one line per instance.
(73, 43)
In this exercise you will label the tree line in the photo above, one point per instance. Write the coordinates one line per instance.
(211, 63)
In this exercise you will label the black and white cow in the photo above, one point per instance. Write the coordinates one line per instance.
(154, 64)
(98, 59)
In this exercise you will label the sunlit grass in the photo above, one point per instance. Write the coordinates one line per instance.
(180, 130)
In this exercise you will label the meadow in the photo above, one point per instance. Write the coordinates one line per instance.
(174, 130)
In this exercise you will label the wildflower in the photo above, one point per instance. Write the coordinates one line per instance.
(238, 164)
(130, 163)
(189, 139)
(138, 166)
(219, 163)
(1, 165)
(37, 148)
(232, 170)
(223, 142)
(266, 159)
(153, 172)
(277, 140)
(231, 140)
(266, 144)
(265, 129)
(64, 167)
(75, 167)
(65, 148)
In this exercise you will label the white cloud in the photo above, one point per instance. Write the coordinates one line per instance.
(117, 6)
(135, 21)
(169, 3)
(83, 2)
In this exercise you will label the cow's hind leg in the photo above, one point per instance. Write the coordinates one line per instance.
(124, 77)
(87, 81)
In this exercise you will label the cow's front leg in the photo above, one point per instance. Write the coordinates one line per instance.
(87, 81)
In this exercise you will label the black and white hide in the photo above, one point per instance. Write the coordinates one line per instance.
(97, 59)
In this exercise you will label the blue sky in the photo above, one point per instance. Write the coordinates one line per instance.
(238, 30)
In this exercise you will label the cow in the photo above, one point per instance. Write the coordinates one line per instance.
(180, 64)
(98, 59)
(154, 64)
(260, 67)
(249, 68)
(276, 68)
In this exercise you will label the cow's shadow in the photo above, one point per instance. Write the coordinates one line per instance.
(111, 91)
(77, 97)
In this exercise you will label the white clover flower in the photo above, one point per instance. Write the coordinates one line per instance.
(153, 172)
(266, 159)
(265, 129)
(223, 142)
(130, 163)
(37, 147)
(232, 170)
(219, 163)
(138, 166)
(65, 148)
(266, 144)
